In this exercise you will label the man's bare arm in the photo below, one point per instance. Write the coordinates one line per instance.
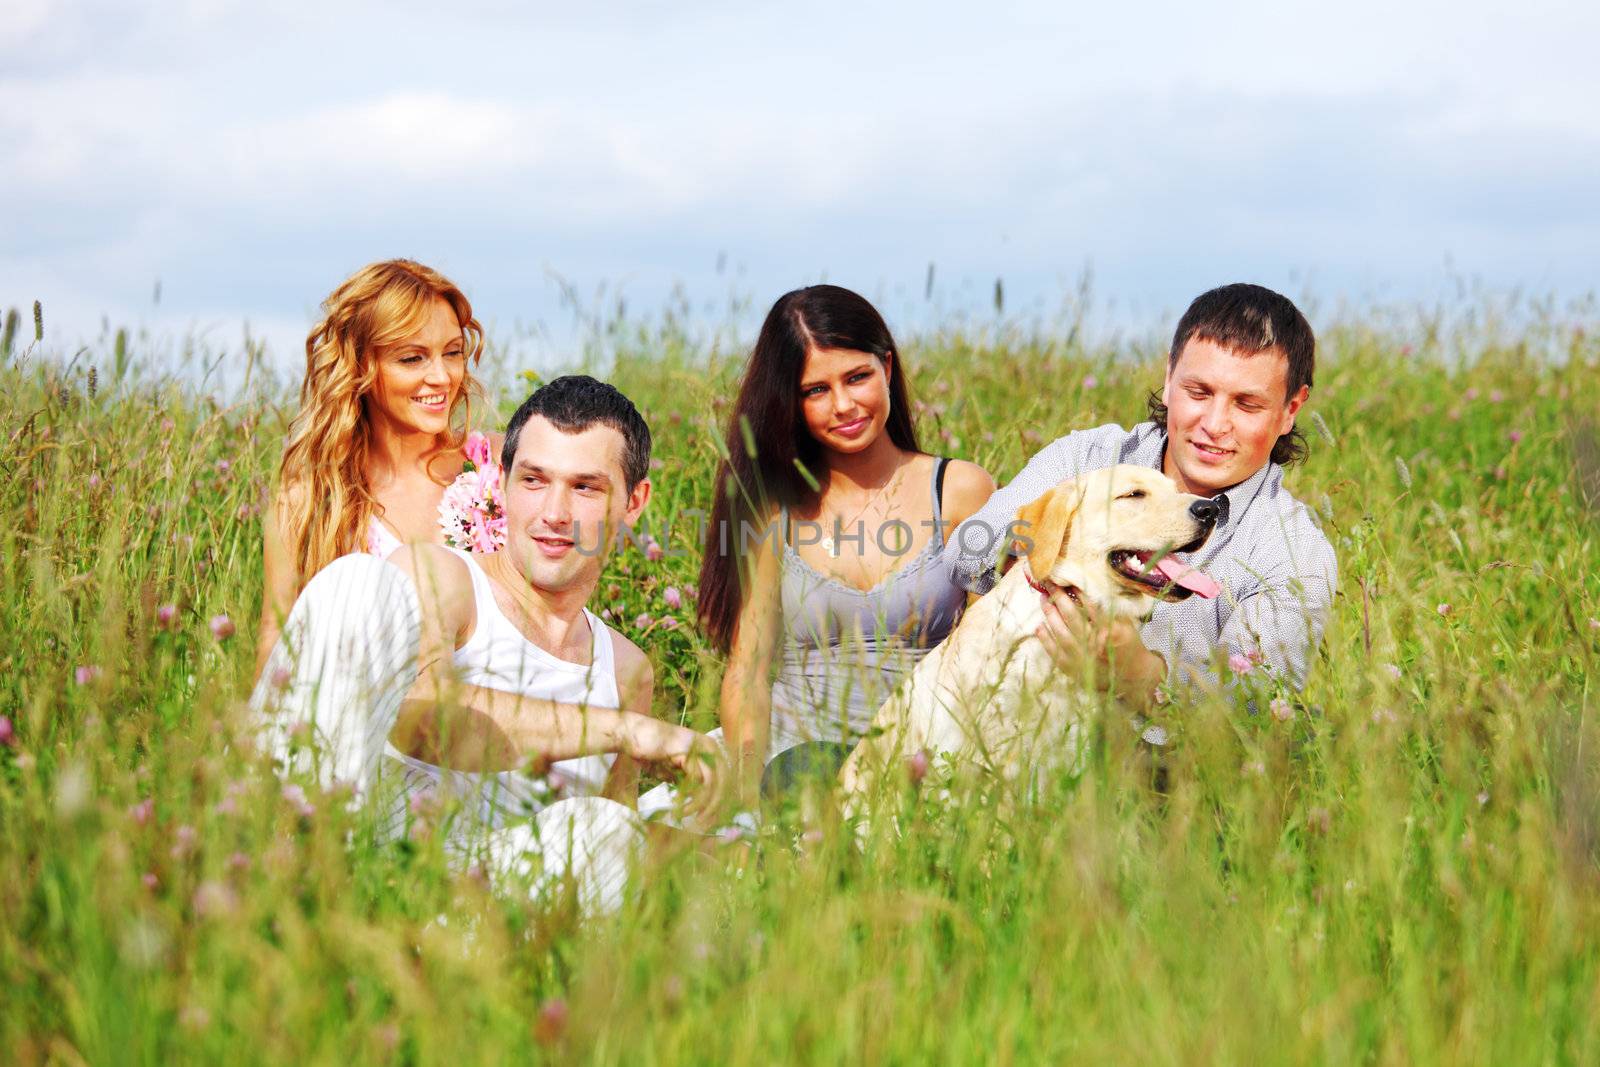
(475, 728)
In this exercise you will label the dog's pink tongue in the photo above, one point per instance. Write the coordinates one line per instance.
(1197, 582)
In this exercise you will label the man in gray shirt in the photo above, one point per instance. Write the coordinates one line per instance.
(1238, 373)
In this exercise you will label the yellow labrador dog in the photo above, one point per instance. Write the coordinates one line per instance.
(990, 695)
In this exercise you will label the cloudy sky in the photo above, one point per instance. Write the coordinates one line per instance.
(246, 156)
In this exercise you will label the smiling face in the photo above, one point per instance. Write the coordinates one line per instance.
(420, 376)
(1225, 411)
(844, 398)
(566, 498)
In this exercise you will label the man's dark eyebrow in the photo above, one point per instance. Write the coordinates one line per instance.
(523, 466)
(1251, 394)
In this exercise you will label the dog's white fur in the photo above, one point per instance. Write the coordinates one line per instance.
(990, 695)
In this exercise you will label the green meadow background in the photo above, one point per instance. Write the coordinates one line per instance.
(1403, 869)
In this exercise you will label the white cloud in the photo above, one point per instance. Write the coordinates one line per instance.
(248, 154)
(24, 19)
(404, 138)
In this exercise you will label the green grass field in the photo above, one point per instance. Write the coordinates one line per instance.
(1407, 871)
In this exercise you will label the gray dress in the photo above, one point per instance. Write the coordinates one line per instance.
(846, 649)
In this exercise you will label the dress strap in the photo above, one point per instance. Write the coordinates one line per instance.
(938, 492)
(381, 541)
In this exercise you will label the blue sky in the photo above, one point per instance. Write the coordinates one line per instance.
(248, 156)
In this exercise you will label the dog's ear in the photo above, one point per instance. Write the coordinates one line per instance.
(1044, 522)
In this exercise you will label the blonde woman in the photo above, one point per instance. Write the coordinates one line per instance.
(381, 429)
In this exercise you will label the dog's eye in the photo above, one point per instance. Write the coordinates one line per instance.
(1133, 494)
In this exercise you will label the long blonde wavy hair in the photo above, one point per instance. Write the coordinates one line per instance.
(327, 513)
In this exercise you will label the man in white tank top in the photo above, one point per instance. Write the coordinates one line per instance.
(481, 669)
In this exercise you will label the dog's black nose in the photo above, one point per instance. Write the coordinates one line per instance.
(1206, 511)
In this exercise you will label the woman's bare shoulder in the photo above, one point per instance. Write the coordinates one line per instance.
(967, 487)
(289, 498)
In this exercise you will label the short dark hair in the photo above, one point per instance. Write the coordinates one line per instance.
(575, 402)
(1249, 319)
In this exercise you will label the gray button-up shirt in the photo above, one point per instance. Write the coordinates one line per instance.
(1276, 569)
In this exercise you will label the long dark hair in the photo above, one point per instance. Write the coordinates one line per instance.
(771, 457)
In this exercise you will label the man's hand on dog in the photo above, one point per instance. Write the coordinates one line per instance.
(1074, 633)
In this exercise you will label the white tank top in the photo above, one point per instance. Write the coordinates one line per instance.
(498, 656)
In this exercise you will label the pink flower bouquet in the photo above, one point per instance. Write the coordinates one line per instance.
(470, 510)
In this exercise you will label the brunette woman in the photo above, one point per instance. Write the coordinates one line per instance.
(823, 577)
